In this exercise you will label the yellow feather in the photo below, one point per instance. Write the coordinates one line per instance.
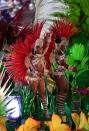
(76, 119)
(49, 124)
(2, 128)
(30, 123)
(56, 121)
(83, 122)
(34, 129)
(56, 124)
(88, 117)
(2, 120)
(21, 128)
(64, 127)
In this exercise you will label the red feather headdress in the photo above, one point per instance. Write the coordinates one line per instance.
(64, 28)
(15, 63)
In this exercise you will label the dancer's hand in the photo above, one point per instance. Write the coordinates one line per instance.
(70, 68)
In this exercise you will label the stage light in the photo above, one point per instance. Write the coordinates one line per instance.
(15, 107)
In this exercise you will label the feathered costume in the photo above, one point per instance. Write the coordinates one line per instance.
(38, 32)
(16, 59)
(44, 11)
(24, 60)
(25, 63)
(62, 29)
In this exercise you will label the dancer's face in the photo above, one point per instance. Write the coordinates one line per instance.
(39, 46)
(63, 47)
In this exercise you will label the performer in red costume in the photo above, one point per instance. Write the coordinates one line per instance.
(36, 70)
(63, 30)
(26, 62)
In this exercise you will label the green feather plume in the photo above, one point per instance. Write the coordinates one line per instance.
(77, 57)
(77, 52)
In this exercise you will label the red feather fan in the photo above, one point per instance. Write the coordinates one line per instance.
(64, 28)
(16, 59)
(24, 32)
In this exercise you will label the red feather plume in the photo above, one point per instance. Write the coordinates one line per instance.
(22, 33)
(64, 28)
(15, 61)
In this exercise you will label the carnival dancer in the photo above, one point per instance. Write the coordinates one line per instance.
(36, 70)
(26, 62)
(63, 30)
